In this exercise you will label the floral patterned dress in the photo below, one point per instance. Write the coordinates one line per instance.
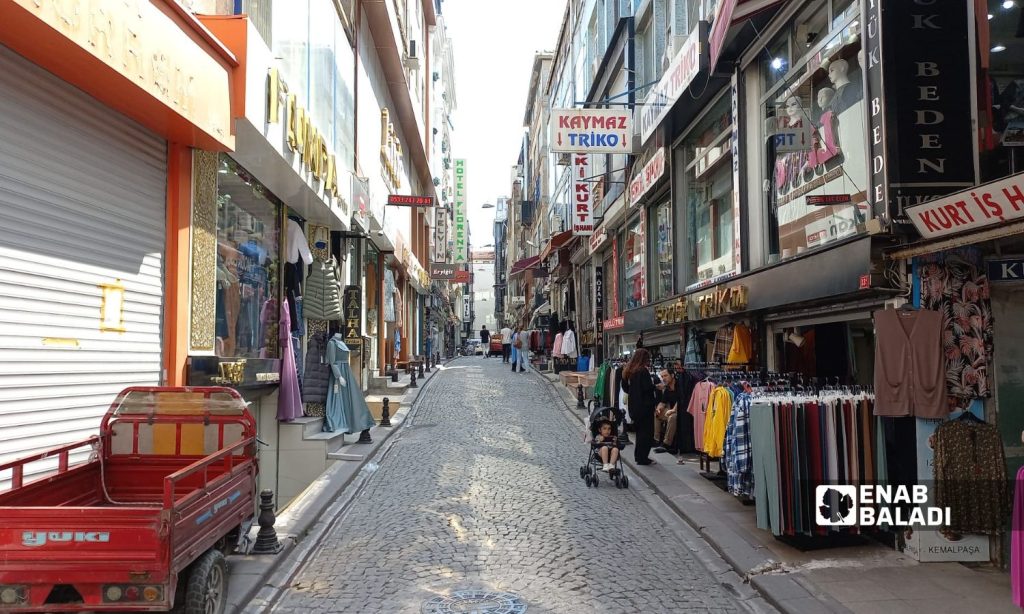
(954, 283)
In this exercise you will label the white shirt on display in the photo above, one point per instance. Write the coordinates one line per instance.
(297, 245)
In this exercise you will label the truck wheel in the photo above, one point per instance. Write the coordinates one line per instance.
(207, 588)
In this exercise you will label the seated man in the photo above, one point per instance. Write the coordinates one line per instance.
(666, 413)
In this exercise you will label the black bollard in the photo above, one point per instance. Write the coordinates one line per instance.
(580, 403)
(394, 374)
(266, 538)
(421, 367)
(364, 437)
(427, 359)
(385, 413)
(412, 378)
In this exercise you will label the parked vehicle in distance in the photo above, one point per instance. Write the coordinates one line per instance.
(494, 348)
(143, 522)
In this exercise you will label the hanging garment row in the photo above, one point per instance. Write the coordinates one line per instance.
(799, 442)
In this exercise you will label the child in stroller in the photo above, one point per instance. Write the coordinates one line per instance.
(605, 446)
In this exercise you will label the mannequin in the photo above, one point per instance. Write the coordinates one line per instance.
(825, 139)
(847, 92)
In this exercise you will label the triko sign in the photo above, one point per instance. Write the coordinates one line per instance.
(582, 203)
(591, 130)
(985, 205)
(690, 60)
(648, 176)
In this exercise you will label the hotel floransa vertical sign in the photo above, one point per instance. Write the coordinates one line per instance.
(461, 244)
(582, 196)
(303, 138)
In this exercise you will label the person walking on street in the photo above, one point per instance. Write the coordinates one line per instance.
(638, 384)
(519, 341)
(485, 340)
(506, 343)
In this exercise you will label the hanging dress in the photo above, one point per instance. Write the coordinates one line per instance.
(289, 399)
(347, 411)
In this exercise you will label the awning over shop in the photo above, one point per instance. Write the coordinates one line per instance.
(731, 13)
(555, 243)
(543, 310)
(526, 263)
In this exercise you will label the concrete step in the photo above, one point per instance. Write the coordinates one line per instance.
(332, 441)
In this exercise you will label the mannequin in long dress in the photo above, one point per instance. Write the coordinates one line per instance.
(347, 411)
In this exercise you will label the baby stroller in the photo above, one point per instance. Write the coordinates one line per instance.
(589, 471)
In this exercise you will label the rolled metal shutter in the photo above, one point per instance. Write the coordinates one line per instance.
(82, 204)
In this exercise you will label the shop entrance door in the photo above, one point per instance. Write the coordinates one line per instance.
(1008, 333)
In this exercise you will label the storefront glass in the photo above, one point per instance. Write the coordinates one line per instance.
(247, 265)
(815, 131)
(633, 265)
(661, 221)
(317, 62)
(1001, 103)
(709, 196)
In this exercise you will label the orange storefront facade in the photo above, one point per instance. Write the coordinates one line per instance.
(105, 102)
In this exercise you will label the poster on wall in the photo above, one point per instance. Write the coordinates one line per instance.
(815, 135)
(461, 223)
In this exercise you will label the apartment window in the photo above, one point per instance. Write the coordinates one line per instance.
(815, 135)
(710, 215)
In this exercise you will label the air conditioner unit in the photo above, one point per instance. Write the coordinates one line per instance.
(412, 58)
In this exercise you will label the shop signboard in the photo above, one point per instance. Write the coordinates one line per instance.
(719, 28)
(461, 220)
(304, 139)
(719, 302)
(671, 312)
(402, 200)
(591, 131)
(462, 276)
(352, 303)
(615, 323)
(648, 176)
(599, 238)
(599, 298)
(466, 310)
(582, 201)
(919, 82)
(1006, 269)
(442, 270)
(391, 155)
(990, 204)
(687, 63)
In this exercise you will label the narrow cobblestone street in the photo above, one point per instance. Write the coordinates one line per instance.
(481, 491)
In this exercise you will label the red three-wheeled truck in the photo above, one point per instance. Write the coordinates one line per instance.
(138, 518)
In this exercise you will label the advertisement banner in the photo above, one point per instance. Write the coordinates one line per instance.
(582, 201)
(599, 298)
(690, 60)
(591, 130)
(461, 248)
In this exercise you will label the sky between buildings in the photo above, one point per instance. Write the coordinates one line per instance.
(494, 42)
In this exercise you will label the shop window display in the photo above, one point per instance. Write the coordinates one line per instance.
(247, 265)
(709, 197)
(816, 137)
(1001, 92)
(633, 265)
(663, 246)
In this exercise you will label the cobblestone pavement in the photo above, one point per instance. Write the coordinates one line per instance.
(482, 491)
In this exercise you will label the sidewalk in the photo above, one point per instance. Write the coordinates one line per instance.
(254, 579)
(862, 579)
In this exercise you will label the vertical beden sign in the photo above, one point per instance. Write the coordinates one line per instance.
(873, 86)
(352, 299)
(582, 201)
(599, 299)
(461, 250)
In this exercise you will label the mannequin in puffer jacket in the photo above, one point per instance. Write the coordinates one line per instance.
(317, 375)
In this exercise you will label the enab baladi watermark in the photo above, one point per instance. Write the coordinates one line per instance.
(869, 505)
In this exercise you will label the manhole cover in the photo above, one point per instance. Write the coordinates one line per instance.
(475, 602)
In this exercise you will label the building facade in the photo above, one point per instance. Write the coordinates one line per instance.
(778, 186)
